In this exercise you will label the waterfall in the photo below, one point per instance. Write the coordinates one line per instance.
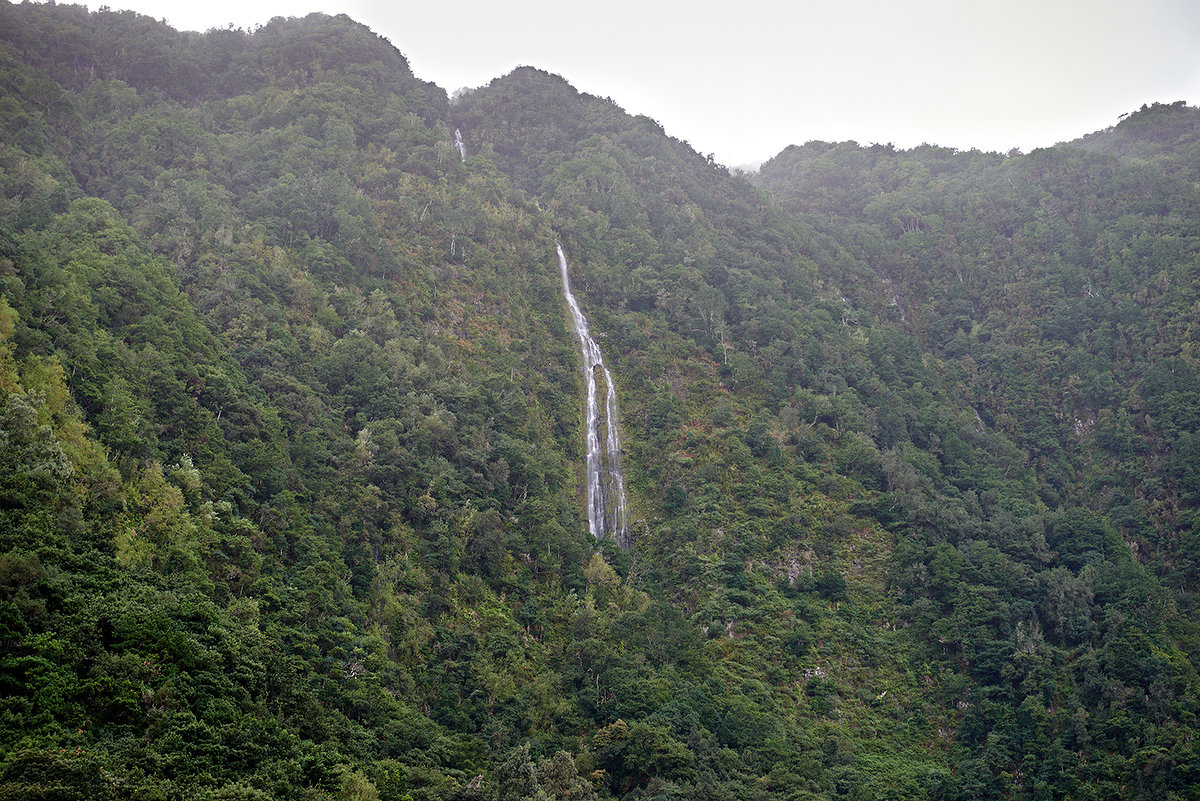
(607, 507)
(458, 142)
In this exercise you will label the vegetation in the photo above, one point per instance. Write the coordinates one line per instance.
(290, 451)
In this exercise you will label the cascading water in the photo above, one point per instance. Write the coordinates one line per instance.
(607, 507)
(458, 142)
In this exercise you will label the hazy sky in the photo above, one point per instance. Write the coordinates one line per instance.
(748, 79)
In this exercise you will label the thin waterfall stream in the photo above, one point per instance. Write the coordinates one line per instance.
(607, 506)
(458, 143)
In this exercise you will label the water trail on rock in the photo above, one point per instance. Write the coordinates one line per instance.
(607, 506)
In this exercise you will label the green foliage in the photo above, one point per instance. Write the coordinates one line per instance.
(290, 502)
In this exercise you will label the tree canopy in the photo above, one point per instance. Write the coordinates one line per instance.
(291, 499)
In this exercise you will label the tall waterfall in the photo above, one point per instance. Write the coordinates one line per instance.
(607, 507)
(458, 142)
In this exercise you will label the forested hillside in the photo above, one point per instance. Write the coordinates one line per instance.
(291, 492)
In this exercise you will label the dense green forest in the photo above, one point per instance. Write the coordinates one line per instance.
(291, 450)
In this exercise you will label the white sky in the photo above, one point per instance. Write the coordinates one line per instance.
(747, 79)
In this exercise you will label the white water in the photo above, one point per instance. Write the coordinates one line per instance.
(458, 142)
(607, 508)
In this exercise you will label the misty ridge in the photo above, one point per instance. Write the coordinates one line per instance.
(361, 443)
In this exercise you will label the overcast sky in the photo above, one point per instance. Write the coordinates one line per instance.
(745, 81)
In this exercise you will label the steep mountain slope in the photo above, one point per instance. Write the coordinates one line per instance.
(1057, 292)
(1063, 279)
(991, 475)
(290, 412)
(352, 431)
